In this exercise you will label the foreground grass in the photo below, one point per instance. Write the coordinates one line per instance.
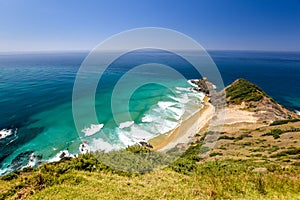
(213, 180)
(187, 178)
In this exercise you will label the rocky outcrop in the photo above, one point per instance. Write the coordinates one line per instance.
(217, 99)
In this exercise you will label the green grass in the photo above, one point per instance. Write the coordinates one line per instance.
(225, 137)
(280, 122)
(241, 137)
(277, 132)
(215, 154)
(287, 152)
(244, 91)
(186, 178)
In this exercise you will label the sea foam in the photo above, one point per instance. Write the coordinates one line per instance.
(93, 129)
(100, 144)
(31, 161)
(5, 133)
(60, 155)
(126, 124)
(165, 104)
(192, 84)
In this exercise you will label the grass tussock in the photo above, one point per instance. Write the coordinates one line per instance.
(280, 122)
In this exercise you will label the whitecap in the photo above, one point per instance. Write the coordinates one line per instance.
(3, 171)
(183, 89)
(165, 104)
(84, 148)
(31, 161)
(183, 99)
(139, 134)
(177, 111)
(165, 126)
(100, 144)
(60, 155)
(125, 138)
(147, 118)
(192, 84)
(126, 124)
(297, 112)
(5, 133)
(93, 129)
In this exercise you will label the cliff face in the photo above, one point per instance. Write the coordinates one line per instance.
(250, 97)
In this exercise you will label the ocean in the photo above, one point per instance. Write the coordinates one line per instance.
(36, 100)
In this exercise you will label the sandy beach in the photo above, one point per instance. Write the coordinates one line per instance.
(198, 121)
(186, 130)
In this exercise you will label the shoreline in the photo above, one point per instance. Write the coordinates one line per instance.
(185, 130)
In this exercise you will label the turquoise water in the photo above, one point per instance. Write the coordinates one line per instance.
(36, 100)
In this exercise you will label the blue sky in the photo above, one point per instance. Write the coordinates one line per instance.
(32, 25)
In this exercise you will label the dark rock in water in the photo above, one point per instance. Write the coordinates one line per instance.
(24, 135)
(62, 155)
(39, 159)
(203, 86)
(21, 160)
(145, 144)
(217, 99)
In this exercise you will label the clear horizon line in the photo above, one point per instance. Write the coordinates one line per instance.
(87, 50)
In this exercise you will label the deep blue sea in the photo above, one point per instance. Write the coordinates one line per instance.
(36, 100)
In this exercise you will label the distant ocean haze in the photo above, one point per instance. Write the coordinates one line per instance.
(36, 100)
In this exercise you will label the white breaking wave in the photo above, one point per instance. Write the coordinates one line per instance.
(147, 118)
(165, 104)
(133, 136)
(165, 126)
(126, 124)
(177, 111)
(138, 133)
(192, 84)
(7, 132)
(3, 171)
(126, 138)
(93, 129)
(183, 99)
(84, 148)
(297, 112)
(100, 144)
(161, 118)
(183, 89)
(31, 161)
(60, 155)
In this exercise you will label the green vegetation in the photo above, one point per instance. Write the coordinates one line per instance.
(287, 152)
(215, 154)
(280, 122)
(225, 137)
(244, 135)
(277, 132)
(243, 91)
(187, 178)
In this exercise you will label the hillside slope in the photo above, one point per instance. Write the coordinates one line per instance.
(250, 97)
